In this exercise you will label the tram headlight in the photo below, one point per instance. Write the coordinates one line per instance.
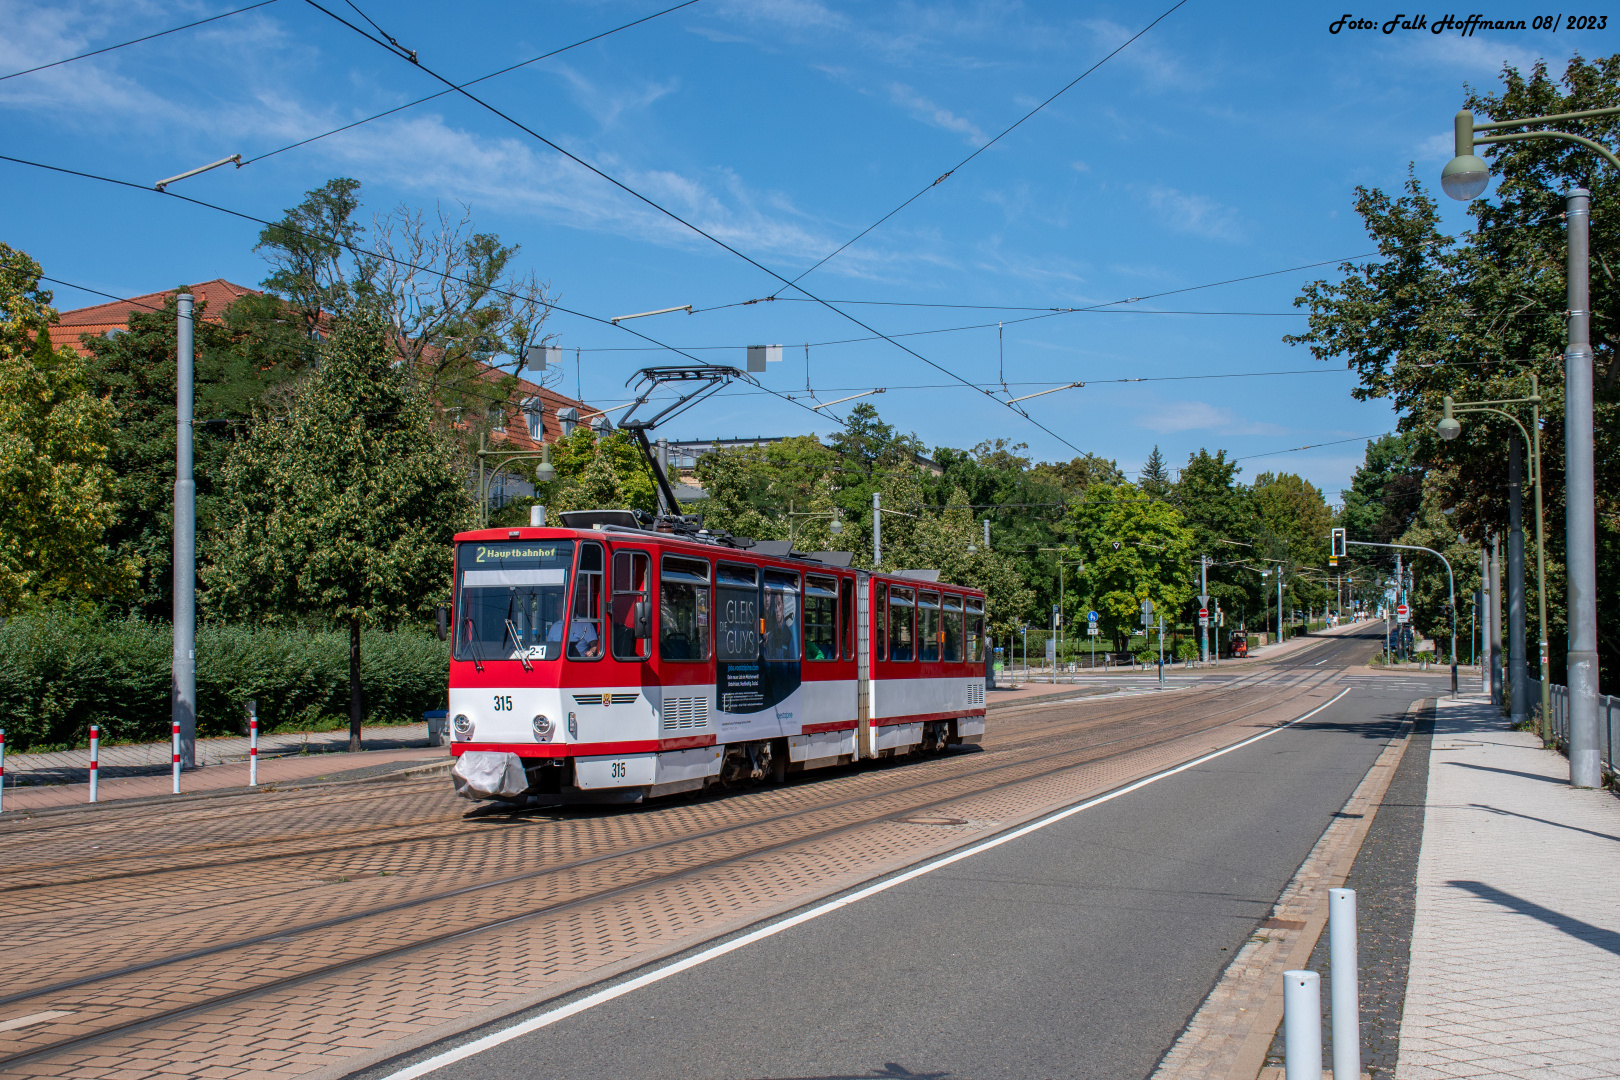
(542, 726)
(462, 723)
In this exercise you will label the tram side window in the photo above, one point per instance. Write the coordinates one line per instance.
(736, 613)
(975, 630)
(781, 615)
(683, 609)
(630, 569)
(585, 626)
(951, 630)
(820, 618)
(846, 615)
(901, 642)
(881, 614)
(928, 627)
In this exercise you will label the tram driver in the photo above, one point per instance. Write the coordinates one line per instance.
(583, 642)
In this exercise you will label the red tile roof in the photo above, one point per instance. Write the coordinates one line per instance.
(218, 295)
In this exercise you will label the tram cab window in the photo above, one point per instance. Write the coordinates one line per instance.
(736, 613)
(779, 619)
(820, 618)
(901, 607)
(951, 630)
(511, 599)
(846, 617)
(585, 624)
(683, 609)
(630, 573)
(928, 627)
(975, 630)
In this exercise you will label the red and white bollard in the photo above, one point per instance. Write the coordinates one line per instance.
(175, 729)
(95, 757)
(253, 743)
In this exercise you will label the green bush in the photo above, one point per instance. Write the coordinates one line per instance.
(61, 673)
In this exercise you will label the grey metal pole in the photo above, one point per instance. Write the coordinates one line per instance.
(1203, 591)
(1161, 650)
(1585, 768)
(183, 686)
(877, 530)
(1345, 992)
(986, 534)
(1302, 1025)
(1496, 619)
(1482, 616)
(1518, 671)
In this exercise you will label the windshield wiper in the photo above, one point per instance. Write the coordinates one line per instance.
(472, 643)
(518, 641)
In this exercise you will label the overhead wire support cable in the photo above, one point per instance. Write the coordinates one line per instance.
(136, 41)
(946, 175)
(354, 249)
(627, 189)
(470, 82)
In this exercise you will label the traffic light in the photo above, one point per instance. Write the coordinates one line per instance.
(1336, 552)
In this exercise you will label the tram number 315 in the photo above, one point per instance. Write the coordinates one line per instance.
(503, 702)
(618, 770)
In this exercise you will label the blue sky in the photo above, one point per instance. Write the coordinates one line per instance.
(1225, 142)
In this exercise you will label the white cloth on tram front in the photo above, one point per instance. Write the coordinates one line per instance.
(485, 774)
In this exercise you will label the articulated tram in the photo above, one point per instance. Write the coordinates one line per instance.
(611, 661)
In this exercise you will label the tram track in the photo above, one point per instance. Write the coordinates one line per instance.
(1013, 710)
(1220, 710)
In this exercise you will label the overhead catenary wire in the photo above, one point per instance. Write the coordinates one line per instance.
(470, 82)
(1001, 135)
(137, 41)
(627, 189)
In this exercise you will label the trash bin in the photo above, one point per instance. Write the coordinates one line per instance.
(438, 722)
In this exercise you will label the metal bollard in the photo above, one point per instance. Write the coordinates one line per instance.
(253, 743)
(174, 728)
(1345, 992)
(95, 757)
(2, 768)
(1302, 1025)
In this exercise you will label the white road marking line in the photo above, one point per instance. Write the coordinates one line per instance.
(32, 1018)
(1320, 662)
(546, 1019)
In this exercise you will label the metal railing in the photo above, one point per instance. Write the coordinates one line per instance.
(1608, 719)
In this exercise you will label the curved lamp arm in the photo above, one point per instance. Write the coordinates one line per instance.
(1564, 135)
(1535, 477)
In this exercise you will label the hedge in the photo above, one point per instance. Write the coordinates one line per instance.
(59, 674)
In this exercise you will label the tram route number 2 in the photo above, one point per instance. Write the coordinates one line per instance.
(618, 770)
(503, 702)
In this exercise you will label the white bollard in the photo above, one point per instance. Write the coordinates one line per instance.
(253, 743)
(174, 729)
(1302, 1025)
(95, 758)
(1346, 989)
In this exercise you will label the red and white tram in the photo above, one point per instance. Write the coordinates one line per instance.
(617, 663)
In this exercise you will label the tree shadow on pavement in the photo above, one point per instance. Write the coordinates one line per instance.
(1544, 821)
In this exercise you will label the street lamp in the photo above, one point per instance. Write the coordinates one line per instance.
(1449, 428)
(836, 528)
(544, 473)
(1461, 179)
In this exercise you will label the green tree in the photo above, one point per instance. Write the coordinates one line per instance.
(593, 473)
(1155, 477)
(1475, 316)
(1220, 512)
(54, 435)
(343, 508)
(1135, 548)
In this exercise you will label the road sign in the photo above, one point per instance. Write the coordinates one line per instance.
(1403, 614)
(1091, 616)
(1091, 628)
(1203, 598)
(1051, 650)
(1116, 545)
(1203, 616)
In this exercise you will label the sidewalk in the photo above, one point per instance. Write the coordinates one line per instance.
(1513, 960)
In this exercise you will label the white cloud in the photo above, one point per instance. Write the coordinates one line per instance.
(1194, 214)
(930, 113)
(1201, 416)
(606, 105)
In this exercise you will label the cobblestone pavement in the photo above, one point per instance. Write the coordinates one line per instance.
(1513, 970)
(308, 933)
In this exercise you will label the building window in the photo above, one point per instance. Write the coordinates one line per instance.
(532, 414)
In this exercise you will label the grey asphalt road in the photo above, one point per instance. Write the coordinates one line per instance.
(1077, 951)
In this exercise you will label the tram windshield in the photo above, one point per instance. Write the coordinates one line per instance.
(511, 599)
